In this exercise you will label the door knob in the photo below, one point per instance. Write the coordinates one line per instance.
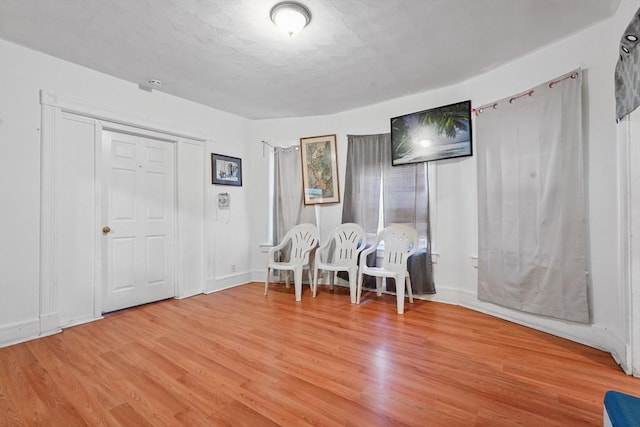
(106, 229)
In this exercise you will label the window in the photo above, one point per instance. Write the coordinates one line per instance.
(286, 207)
(378, 194)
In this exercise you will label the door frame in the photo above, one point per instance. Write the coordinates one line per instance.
(629, 135)
(52, 106)
(628, 354)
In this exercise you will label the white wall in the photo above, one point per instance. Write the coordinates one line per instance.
(233, 237)
(22, 74)
(594, 50)
(628, 154)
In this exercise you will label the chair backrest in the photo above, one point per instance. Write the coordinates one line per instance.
(400, 242)
(303, 237)
(348, 240)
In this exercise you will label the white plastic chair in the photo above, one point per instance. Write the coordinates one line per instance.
(303, 238)
(400, 242)
(348, 241)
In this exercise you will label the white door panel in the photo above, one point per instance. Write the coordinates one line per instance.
(139, 208)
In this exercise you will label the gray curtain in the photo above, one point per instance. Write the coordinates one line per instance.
(627, 75)
(362, 182)
(289, 207)
(531, 202)
(405, 199)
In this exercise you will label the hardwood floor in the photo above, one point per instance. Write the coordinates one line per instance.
(238, 358)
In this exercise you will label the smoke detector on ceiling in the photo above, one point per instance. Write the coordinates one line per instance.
(151, 84)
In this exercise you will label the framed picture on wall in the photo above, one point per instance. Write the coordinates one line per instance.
(226, 170)
(319, 169)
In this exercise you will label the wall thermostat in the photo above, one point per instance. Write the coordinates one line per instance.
(224, 201)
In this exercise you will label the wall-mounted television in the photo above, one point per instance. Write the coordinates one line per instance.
(435, 134)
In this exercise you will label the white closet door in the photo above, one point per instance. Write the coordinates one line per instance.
(138, 245)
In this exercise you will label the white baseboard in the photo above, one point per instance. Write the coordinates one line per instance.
(190, 293)
(18, 332)
(443, 295)
(79, 321)
(225, 287)
(228, 281)
(209, 285)
(620, 351)
(587, 334)
(49, 323)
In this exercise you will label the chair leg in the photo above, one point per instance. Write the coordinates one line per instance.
(352, 284)
(297, 283)
(379, 286)
(310, 281)
(359, 291)
(266, 282)
(314, 286)
(331, 277)
(409, 291)
(286, 279)
(400, 293)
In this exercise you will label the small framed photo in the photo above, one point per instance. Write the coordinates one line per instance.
(319, 170)
(226, 170)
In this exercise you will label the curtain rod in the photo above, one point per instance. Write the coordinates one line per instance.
(268, 145)
(573, 76)
(275, 148)
(551, 85)
(515, 98)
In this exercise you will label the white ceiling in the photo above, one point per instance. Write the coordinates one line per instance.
(227, 54)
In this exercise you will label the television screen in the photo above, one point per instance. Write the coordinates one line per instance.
(435, 134)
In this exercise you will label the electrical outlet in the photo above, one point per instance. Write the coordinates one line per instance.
(233, 268)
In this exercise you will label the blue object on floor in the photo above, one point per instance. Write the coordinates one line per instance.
(623, 409)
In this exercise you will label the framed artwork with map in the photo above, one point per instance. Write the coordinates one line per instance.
(319, 169)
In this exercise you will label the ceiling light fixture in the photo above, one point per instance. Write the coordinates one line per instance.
(290, 17)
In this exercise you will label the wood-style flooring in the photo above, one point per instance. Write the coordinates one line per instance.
(238, 358)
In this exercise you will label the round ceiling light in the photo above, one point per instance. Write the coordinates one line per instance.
(290, 17)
